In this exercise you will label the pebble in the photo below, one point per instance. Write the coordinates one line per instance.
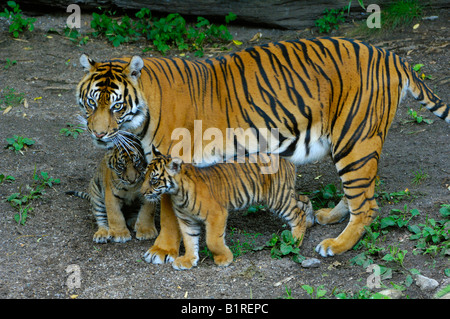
(391, 293)
(311, 263)
(425, 283)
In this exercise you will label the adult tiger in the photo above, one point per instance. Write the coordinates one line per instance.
(325, 96)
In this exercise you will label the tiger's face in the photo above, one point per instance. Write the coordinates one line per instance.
(110, 98)
(128, 164)
(161, 177)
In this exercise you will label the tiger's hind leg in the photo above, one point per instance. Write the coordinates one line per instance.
(298, 213)
(357, 172)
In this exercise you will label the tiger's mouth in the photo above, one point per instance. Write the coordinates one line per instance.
(102, 142)
(152, 197)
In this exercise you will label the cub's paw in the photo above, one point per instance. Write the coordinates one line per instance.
(119, 235)
(157, 255)
(101, 236)
(223, 260)
(146, 232)
(184, 262)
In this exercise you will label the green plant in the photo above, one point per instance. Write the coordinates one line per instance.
(432, 236)
(417, 118)
(9, 97)
(330, 19)
(18, 143)
(18, 23)
(399, 218)
(326, 197)
(401, 13)
(8, 178)
(396, 255)
(22, 202)
(72, 130)
(116, 31)
(283, 245)
(419, 176)
(75, 36)
(360, 294)
(9, 63)
(318, 293)
(241, 242)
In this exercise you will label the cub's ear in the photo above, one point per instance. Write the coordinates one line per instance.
(134, 67)
(87, 63)
(174, 166)
(155, 151)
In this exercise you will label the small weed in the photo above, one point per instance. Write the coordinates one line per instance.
(419, 176)
(22, 202)
(9, 63)
(318, 293)
(239, 247)
(396, 255)
(401, 13)
(326, 197)
(75, 36)
(9, 97)
(432, 237)
(416, 118)
(19, 143)
(360, 294)
(72, 130)
(330, 20)
(6, 178)
(18, 23)
(399, 218)
(283, 245)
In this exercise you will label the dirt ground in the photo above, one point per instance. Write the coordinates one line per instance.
(36, 258)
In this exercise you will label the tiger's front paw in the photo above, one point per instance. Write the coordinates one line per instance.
(184, 262)
(332, 246)
(157, 255)
(146, 232)
(223, 260)
(101, 236)
(119, 235)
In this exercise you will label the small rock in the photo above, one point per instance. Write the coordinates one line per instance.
(430, 18)
(311, 263)
(426, 283)
(391, 293)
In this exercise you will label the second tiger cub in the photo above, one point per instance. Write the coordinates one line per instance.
(206, 194)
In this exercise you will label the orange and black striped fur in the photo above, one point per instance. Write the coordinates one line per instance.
(116, 183)
(325, 96)
(207, 194)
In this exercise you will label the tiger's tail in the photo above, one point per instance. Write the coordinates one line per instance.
(425, 95)
(83, 195)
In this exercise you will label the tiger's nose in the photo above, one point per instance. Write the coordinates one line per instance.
(99, 135)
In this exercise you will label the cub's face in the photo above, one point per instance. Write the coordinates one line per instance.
(128, 165)
(109, 97)
(160, 178)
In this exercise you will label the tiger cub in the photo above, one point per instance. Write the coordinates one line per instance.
(117, 182)
(206, 194)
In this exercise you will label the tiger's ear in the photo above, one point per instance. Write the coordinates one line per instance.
(87, 63)
(174, 166)
(134, 67)
(155, 151)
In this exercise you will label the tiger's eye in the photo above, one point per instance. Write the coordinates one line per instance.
(91, 102)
